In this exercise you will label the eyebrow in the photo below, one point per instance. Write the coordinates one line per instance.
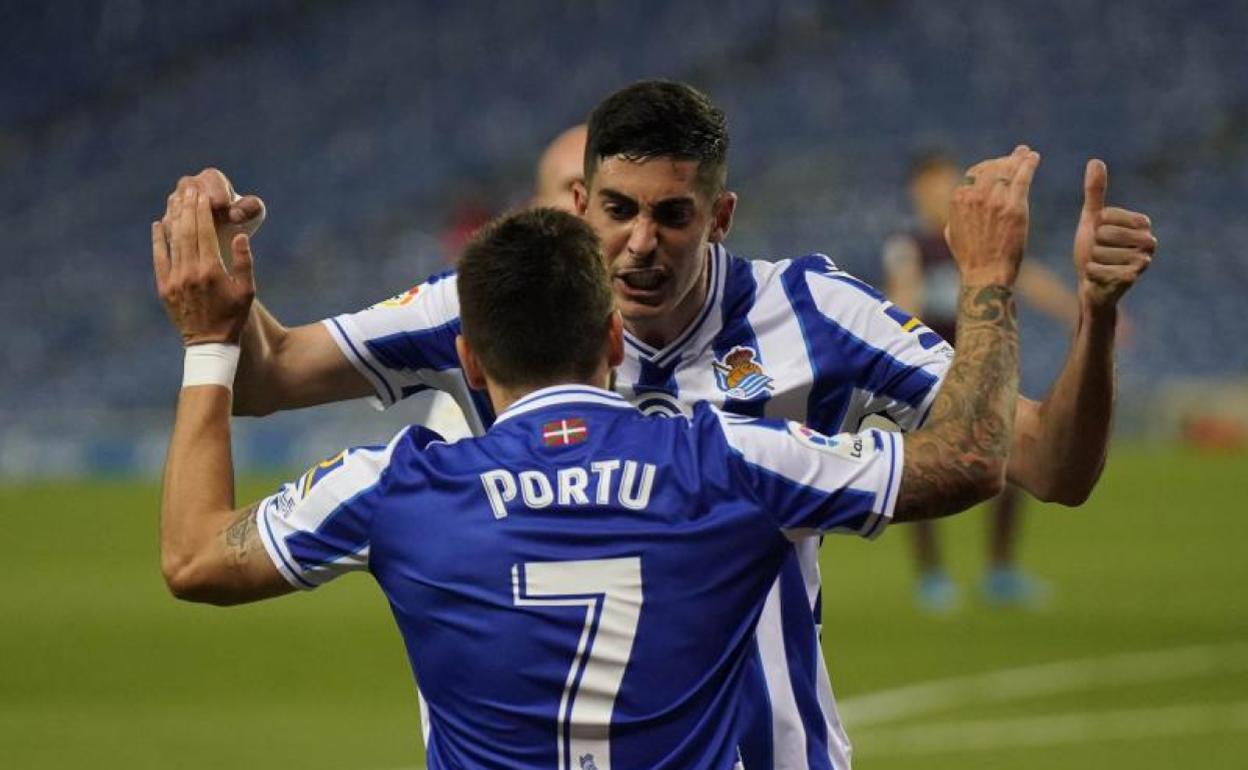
(680, 200)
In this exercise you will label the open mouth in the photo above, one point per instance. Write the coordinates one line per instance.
(644, 280)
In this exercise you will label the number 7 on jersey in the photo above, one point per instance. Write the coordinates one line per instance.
(610, 591)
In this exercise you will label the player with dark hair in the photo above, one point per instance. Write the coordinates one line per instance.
(579, 587)
(798, 339)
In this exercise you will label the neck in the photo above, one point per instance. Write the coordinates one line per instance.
(503, 396)
(658, 332)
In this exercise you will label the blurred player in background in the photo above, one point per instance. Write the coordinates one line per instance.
(541, 574)
(798, 339)
(922, 279)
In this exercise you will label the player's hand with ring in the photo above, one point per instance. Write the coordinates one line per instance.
(205, 301)
(989, 217)
(1113, 246)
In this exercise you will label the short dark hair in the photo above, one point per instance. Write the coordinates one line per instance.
(660, 118)
(930, 160)
(534, 298)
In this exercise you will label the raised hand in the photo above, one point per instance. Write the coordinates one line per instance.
(1113, 246)
(206, 302)
(989, 217)
(231, 213)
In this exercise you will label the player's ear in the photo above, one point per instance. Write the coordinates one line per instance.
(724, 207)
(580, 197)
(472, 367)
(615, 339)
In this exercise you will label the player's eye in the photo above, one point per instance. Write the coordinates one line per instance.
(619, 210)
(674, 216)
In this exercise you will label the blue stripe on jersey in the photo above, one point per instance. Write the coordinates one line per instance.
(853, 507)
(655, 379)
(347, 528)
(842, 360)
(359, 357)
(344, 532)
(432, 348)
(801, 651)
(740, 290)
(892, 472)
(756, 736)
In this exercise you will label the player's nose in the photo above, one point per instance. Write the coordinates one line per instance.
(643, 238)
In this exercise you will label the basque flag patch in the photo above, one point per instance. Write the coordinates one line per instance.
(564, 432)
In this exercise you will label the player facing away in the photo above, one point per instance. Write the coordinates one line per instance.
(922, 279)
(579, 587)
(796, 339)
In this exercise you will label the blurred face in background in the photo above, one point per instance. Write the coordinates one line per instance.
(560, 169)
(655, 218)
(930, 191)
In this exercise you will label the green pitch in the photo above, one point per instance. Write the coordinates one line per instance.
(1145, 643)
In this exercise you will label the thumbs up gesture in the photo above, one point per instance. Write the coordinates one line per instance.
(1113, 246)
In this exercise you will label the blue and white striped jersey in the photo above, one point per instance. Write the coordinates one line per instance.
(796, 339)
(579, 587)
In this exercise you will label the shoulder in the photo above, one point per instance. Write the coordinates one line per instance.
(733, 431)
(436, 299)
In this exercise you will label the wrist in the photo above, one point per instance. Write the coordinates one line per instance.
(210, 363)
(1097, 309)
(990, 277)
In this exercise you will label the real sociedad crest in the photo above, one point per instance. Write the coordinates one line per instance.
(740, 376)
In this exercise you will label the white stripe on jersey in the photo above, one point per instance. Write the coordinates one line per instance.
(828, 468)
(850, 307)
(778, 329)
(295, 509)
(788, 736)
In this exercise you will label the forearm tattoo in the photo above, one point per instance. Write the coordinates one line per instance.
(241, 537)
(971, 423)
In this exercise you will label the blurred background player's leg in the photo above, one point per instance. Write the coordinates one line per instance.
(935, 591)
(1005, 584)
(922, 279)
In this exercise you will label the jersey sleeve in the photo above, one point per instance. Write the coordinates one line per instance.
(404, 344)
(318, 527)
(813, 483)
(899, 363)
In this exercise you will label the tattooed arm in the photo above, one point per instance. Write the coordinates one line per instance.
(960, 456)
(209, 552)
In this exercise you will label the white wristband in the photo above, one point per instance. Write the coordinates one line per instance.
(212, 363)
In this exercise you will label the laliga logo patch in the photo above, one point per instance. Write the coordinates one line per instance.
(399, 300)
(850, 450)
(740, 376)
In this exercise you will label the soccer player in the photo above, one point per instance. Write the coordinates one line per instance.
(579, 587)
(922, 279)
(798, 339)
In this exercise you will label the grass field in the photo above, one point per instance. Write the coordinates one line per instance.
(1140, 661)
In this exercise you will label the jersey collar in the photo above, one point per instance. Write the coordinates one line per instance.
(705, 323)
(558, 395)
